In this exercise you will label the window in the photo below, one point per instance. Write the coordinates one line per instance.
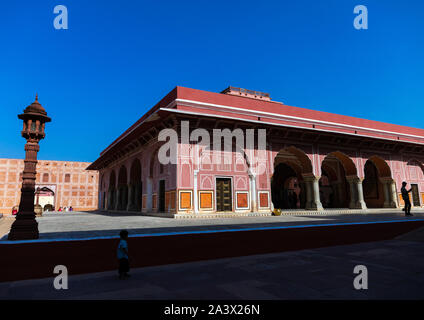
(45, 177)
(67, 177)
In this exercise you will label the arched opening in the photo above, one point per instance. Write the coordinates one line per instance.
(122, 189)
(135, 192)
(45, 198)
(333, 185)
(377, 176)
(112, 191)
(288, 189)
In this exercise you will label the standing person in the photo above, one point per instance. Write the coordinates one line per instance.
(124, 265)
(405, 196)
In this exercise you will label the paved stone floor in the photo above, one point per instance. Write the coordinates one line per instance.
(86, 225)
(5, 224)
(395, 271)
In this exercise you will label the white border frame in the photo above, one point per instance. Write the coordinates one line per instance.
(259, 200)
(179, 200)
(248, 201)
(198, 198)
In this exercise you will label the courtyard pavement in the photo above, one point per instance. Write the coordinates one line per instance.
(82, 225)
(395, 271)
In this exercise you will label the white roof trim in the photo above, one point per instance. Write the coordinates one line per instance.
(280, 125)
(287, 117)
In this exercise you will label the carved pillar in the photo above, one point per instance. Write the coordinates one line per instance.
(109, 199)
(313, 192)
(130, 201)
(34, 118)
(149, 194)
(25, 225)
(124, 197)
(395, 202)
(253, 201)
(361, 202)
(195, 200)
(117, 198)
(388, 202)
(356, 193)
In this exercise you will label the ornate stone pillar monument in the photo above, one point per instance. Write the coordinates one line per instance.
(25, 226)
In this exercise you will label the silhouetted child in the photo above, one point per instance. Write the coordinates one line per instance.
(124, 265)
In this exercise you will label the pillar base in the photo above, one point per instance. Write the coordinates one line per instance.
(390, 205)
(315, 206)
(24, 229)
(132, 207)
(360, 205)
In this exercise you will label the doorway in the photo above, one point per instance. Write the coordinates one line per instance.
(415, 195)
(224, 199)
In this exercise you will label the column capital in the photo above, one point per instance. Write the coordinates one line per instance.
(386, 179)
(353, 178)
(310, 177)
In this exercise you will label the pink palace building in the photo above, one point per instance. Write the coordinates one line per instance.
(311, 160)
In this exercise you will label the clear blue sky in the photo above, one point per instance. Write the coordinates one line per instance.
(118, 58)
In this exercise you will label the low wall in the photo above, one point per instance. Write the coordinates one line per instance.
(37, 259)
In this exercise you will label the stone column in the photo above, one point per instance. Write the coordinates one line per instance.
(313, 192)
(130, 204)
(125, 198)
(356, 193)
(316, 200)
(308, 204)
(386, 192)
(361, 202)
(253, 202)
(195, 200)
(394, 202)
(117, 198)
(149, 194)
(109, 200)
